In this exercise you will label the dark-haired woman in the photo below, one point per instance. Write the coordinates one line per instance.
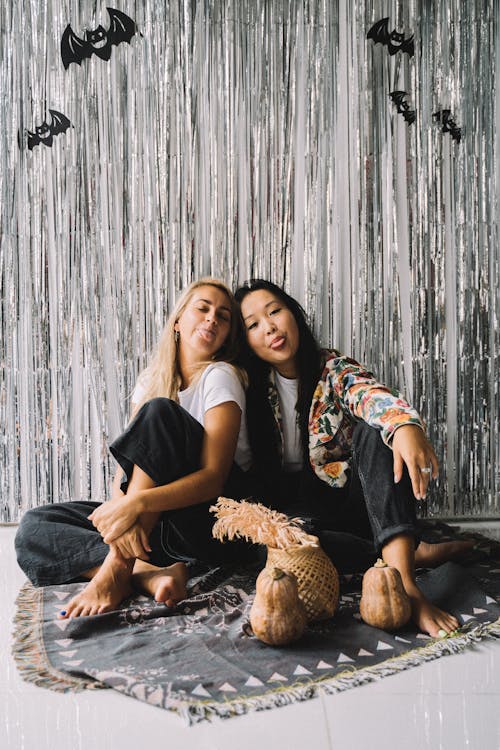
(329, 439)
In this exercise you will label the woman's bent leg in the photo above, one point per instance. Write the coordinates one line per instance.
(163, 440)
(392, 514)
(391, 507)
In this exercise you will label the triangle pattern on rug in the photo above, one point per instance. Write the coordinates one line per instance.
(465, 618)
(403, 640)
(61, 595)
(363, 652)
(62, 624)
(200, 690)
(324, 665)
(253, 681)
(227, 688)
(381, 646)
(74, 663)
(301, 670)
(478, 611)
(342, 658)
(490, 600)
(64, 642)
(277, 677)
(68, 653)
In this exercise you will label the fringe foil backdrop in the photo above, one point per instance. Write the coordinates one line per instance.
(251, 138)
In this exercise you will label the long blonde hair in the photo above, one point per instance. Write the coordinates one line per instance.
(162, 377)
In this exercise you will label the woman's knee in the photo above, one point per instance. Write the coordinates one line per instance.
(26, 537)
(365, 435)
(166, 412)
(28, 526)
(161, 406)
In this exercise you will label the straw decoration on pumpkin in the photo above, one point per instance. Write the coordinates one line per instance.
(258, 524)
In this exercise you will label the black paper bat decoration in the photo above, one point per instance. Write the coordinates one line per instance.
(393, 40)
(45, 133)
(99, 41)
(448, 124)
(402, 106)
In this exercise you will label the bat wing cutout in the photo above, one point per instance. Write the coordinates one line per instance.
(73, 49)
(448, 124)
(393, 40)
(403, 108)
(45, 133)
(122, 28)
(99, 41)
(60, 122)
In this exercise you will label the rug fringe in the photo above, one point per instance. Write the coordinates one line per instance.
(29, 652)
(206, 710)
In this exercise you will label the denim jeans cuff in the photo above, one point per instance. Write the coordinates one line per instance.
(390, 532)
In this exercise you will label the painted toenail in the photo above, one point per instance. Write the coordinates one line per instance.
(442, 633)
(63, 612)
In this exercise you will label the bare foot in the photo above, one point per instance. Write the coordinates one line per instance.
(427, 617)
(109, 586)
(167, 585)
(431, 555)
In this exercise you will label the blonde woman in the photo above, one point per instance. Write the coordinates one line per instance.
(185, 445)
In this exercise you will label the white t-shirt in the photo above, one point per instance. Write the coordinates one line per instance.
(292, 449)
(217, 385)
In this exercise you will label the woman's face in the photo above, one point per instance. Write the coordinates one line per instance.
(204, 324)
(271, 331)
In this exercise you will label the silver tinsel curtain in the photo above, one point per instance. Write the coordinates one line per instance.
(248, 138)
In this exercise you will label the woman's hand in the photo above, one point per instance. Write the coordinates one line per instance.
(411, 447)
(114, 517)
(133, 544)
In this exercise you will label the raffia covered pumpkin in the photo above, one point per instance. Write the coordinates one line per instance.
(384, 602)
(289, 548)
(317, 577)
(277, 615)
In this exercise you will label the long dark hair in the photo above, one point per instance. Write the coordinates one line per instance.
(309, 358)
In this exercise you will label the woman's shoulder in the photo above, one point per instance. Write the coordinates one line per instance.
(340, 366)
(223, 373)
(330, 356)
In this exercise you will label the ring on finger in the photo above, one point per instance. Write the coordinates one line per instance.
(426, 470)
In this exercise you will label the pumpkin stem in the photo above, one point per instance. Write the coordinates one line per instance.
(380, 563)
(276, 573)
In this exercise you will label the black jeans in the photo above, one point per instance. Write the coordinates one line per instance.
(57, 543)
(354, 522)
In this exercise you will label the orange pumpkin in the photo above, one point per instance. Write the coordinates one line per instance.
(384, 602)
(277, 615)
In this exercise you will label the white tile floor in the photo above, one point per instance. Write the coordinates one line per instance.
(449, 704)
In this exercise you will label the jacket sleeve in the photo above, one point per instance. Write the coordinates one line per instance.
(365, 398)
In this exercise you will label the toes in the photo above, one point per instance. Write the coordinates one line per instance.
(75, 611)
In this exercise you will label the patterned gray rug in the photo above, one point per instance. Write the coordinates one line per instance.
(200, 658)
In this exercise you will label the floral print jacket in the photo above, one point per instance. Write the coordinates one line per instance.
(346, 393)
